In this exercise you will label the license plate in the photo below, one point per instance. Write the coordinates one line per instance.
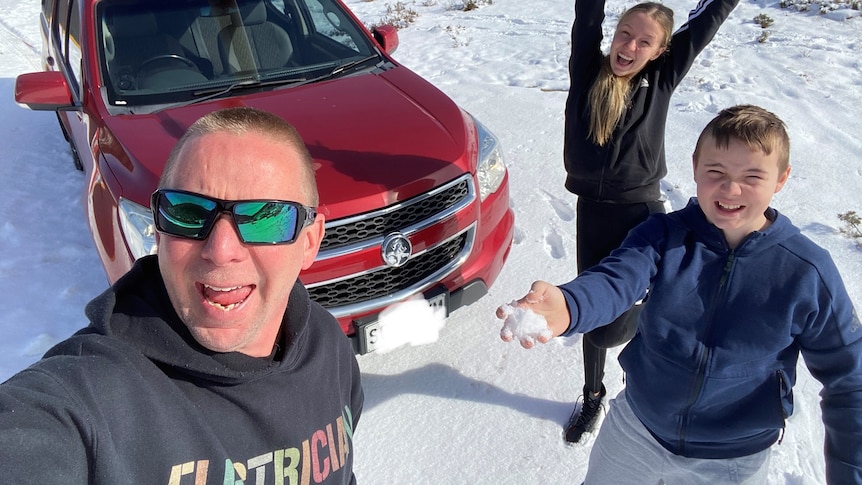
(369, 330)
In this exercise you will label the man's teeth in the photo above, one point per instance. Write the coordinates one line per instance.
(210, 297)
(222, 307)
(222, 289)
(729, 207)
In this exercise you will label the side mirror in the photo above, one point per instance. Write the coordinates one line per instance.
(43, 91)
(387, 37)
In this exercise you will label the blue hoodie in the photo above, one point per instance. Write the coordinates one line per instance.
(711, 370)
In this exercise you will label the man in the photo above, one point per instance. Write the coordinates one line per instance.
(207, 363)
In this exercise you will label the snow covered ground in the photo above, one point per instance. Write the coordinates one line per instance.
(470, 408)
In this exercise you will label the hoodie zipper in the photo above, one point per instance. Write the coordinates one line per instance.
(783, 389)
(705, 354)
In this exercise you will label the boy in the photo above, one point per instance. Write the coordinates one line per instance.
(736, 292)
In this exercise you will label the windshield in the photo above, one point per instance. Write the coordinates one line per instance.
(156, 52)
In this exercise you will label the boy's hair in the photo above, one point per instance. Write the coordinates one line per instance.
(756, 127)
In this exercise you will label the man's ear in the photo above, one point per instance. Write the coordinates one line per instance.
(311, 237)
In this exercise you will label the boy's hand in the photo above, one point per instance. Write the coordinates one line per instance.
(544, 300)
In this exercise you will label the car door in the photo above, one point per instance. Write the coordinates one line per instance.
(64, 53)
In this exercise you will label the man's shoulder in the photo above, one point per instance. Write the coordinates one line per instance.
(77, 366)
(88, 351)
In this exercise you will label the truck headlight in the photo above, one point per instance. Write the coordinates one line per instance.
(490, 169)
(138, 228)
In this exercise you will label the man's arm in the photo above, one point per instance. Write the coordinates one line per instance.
(40, 432)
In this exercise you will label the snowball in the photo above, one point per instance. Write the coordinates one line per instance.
(523, 324)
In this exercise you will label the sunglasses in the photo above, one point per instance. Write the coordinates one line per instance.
(192, 216)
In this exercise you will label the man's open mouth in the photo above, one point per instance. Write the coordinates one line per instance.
(225, 299)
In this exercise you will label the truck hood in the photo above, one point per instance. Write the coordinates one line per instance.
(376, 138)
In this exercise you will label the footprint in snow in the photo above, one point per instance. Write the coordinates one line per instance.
(554, 244)
(563, 208)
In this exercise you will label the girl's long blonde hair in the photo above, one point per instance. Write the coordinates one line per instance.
(609, 94)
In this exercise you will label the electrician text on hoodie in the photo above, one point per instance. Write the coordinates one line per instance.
(312, 461)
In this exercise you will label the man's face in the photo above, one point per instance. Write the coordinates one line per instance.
(735, 186)
(230, 295)
(636, 41)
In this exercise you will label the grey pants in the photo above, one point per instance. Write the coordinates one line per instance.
(625, 453)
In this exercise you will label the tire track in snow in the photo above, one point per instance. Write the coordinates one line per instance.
(11, 40)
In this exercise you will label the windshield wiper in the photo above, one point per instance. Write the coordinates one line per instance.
(350, 65)
(207, 94)
(253, 83)
(340, 69)
(244, 84)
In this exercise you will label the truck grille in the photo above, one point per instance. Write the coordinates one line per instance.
(387, 280)
(384, 285)
(399, 217)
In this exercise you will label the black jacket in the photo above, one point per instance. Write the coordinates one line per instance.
(630, 166)
(132, 398)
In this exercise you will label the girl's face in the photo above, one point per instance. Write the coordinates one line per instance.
(638, 40)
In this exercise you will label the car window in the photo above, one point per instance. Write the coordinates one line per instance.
(73, 55)
(59, 26)
(66, 31)
(48, 10)
(46, 23)
(179, 51)
(333, 23)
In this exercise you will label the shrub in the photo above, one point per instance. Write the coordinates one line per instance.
(399, 15)
(763, 20)
(821, 6)
(852, 224)
(468, 5)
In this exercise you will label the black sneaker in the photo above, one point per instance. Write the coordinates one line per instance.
(584, 420)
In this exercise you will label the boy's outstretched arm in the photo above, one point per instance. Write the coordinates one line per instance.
(546, 300)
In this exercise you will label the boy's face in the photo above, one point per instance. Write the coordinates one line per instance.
(735, 185)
